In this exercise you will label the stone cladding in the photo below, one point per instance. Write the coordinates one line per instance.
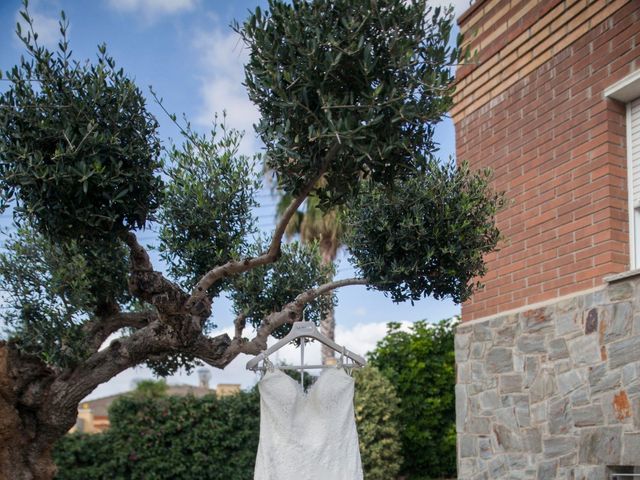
(551, 392)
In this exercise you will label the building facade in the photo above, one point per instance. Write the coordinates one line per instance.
(548, 354)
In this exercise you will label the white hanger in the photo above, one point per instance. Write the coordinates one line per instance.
(308, 330)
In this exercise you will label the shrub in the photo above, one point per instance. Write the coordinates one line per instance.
(377, 410)
(420, 364)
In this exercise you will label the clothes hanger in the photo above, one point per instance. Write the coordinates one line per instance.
(302, 330)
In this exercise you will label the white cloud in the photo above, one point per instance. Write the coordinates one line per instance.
(45, 26)
(152, 9)
(363, 337)
(223, 56)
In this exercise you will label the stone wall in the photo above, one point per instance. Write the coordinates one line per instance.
(551, 392)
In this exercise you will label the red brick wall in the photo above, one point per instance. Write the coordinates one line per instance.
(556, 145)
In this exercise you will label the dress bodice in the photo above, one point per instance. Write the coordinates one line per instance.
(307, 435)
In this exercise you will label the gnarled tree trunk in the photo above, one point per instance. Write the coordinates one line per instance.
(28, 429)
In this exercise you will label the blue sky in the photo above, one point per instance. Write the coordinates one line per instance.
(187, 51)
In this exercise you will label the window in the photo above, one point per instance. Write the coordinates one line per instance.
(623, 473)
(633, 153)
(628, 91)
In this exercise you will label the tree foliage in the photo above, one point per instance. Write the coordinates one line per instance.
(264, 290)
(427, 236)
(53, 288)
(206, 213)
(150, 389)
(80, 152)
(85, 456)
(368, 76)
(420, 364)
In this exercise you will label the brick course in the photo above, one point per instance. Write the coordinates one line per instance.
(533, 110)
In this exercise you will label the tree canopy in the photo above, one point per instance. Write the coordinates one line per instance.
(349, 93)
(80, 151)
(364, 80)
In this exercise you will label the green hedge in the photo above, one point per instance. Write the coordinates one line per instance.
(207, 438)
(168, 438)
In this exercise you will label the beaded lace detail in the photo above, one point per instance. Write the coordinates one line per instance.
(307, 435)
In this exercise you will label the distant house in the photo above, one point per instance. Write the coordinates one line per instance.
(548, 353)
(93, 415)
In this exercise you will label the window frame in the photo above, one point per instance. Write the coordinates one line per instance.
(627, 91)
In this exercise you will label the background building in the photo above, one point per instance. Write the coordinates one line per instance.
(548, 373)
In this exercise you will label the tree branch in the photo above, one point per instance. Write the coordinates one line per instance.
(309, 295)
(155, 339)
(292, 312)
(240, 322)
(217, 351)
(98, 329)
(139, 257)
(272, 253)
(68, 389)
(152, 287)
(289, 314)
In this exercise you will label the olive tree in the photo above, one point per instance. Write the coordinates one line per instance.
(349, 92)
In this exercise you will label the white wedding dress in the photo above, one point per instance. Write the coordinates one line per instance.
(307, 436)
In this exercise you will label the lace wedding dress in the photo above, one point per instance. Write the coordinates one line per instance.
(307, 436)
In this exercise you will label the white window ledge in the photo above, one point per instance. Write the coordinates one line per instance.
(626, 89)
(622, 276)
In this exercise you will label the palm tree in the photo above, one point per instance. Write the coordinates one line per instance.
(326, 228)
